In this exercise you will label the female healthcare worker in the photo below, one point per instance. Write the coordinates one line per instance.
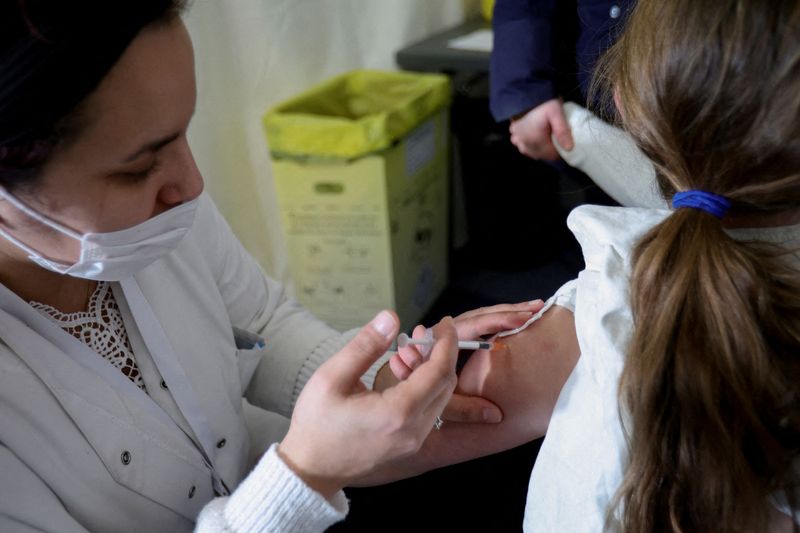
(112, 254)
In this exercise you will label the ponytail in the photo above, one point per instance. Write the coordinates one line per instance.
(710, 391)
(711, 380)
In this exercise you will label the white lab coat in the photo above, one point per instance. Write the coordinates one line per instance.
(79, 450)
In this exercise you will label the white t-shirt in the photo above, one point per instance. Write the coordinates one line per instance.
(580, 464)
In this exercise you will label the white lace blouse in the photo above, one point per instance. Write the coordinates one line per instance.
(101, 328)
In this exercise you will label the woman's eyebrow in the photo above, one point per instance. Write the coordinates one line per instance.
(152, 146)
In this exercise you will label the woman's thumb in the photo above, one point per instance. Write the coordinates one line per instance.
(374, 339)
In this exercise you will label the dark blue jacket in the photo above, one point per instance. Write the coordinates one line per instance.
(548, 48)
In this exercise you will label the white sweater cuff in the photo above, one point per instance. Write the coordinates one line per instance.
(319, 355)
(274, 498)
(323, 352)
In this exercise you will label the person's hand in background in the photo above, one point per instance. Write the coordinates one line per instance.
(532, 132)
(341, 431)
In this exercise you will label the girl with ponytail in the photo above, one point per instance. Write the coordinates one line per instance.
(681, 409)
(710, 90)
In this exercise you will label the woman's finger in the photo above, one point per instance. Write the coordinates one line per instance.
(463, 408)
(532, 306)
(347, 366)
(435, 376)
(411, 354)
(399, 368)
(410, 357)
(489, 324)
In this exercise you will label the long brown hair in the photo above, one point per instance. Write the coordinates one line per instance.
(710, 90)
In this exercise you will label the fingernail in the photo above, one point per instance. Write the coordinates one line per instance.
(493, 416)
(384, 324)
(536, 302)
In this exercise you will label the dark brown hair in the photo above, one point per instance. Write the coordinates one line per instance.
(710, 91)
(53, 54)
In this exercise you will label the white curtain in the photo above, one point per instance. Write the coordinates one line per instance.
(252, 54)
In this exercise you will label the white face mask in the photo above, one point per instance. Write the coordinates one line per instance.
(117, 255)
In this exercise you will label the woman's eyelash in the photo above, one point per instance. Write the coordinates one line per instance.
(143, 175)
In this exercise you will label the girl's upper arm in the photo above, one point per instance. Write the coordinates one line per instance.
(526, 377)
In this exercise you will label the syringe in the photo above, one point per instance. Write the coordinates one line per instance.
(404, 340)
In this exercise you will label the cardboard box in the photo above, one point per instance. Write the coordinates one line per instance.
(372, 232)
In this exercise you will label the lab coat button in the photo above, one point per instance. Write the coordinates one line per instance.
(164, 385)
(615, 11)
(191, 492)
(221, 444)
(126, 457)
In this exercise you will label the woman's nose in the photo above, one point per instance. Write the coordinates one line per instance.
(186, 182)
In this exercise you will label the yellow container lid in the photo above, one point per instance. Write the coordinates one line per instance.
(354, 114)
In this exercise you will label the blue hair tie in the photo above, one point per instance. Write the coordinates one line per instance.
(705, 201)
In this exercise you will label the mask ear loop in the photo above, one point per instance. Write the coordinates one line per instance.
(35, 256)
(38, 216)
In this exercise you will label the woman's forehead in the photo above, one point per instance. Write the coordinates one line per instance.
(148, 93)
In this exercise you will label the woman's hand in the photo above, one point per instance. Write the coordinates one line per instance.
(469, 326)
(341, 431)
(524, 378)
